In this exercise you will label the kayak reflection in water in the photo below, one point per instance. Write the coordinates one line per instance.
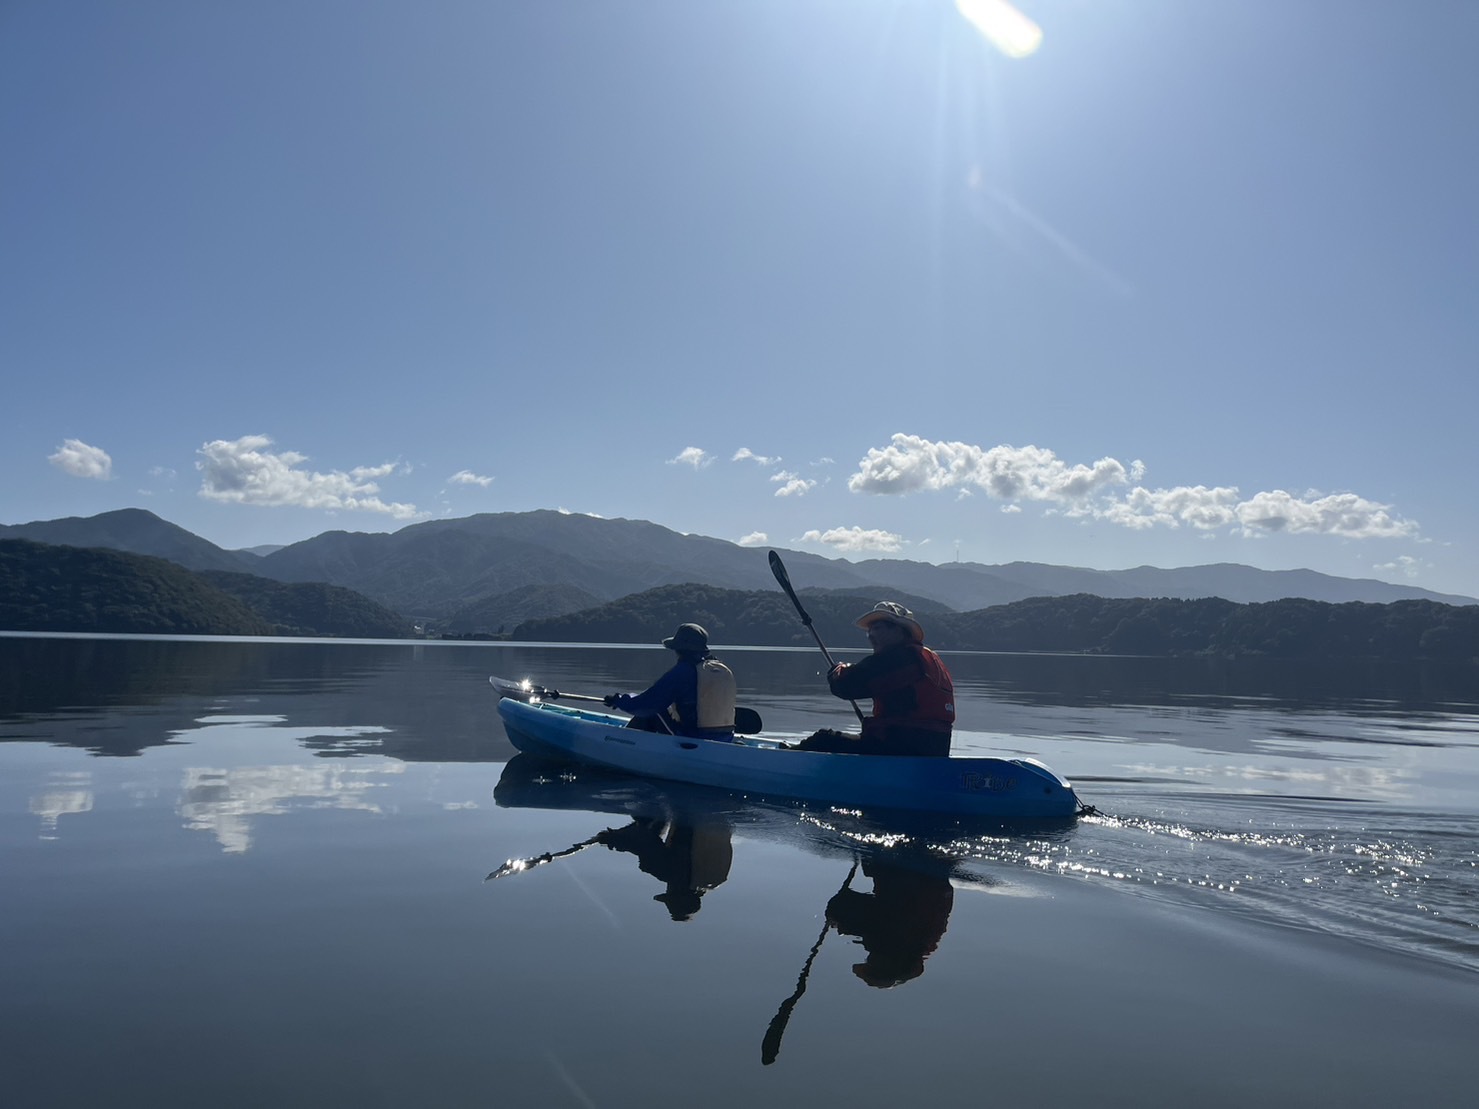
(690, 859)
(899, 924)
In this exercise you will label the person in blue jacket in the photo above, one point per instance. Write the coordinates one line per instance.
(694, 698)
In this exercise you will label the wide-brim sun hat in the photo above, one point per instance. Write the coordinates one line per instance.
(894, 613)
(688, 638)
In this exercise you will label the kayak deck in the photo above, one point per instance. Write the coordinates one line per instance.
(1003, 788)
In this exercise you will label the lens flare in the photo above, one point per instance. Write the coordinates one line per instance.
(1004, 26)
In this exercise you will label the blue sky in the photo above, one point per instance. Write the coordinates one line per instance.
(1187, 283)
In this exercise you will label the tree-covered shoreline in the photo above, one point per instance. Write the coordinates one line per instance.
(46, 587)
(55, 588)
(1083, 623)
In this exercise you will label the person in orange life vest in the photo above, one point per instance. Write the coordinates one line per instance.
(693, 698)
(913, 695)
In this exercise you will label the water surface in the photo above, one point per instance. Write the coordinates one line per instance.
(254, 872)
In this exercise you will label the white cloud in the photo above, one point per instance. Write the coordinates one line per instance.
(370, 473)
(80, 460)
(909, 464)
(1194, 505)
(746, 454)
(856, 539)
(243, 471)
(692, 456)
(791, 484)
(1405, 565)
(754, 539)
(1343, 514)
(1013, 474)
(467, 477)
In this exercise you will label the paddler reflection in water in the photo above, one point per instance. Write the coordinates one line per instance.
(899, 924)
(690, 859)
(694, 698)
(913, 695)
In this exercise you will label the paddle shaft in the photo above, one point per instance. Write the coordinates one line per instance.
(556, 695)
(518, 866)
(746, 721)
(778, 568)
(770, 1046)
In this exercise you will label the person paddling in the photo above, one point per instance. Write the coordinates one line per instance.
(694, 698)
(913, 694)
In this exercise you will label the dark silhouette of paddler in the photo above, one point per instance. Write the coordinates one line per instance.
(689, 859)
(899, 924)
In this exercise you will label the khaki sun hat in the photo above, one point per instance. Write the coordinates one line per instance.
(894, 613)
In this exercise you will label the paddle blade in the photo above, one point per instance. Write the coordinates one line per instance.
(778, 568)
(770, 1046)
(748, 722)
(522, 690)
(518, 691)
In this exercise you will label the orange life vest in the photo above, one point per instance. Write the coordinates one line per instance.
(919, 695)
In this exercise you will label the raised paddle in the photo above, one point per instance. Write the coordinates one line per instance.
(746, 721)
(778, 568)
(770, 1046)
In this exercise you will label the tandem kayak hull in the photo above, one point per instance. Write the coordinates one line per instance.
(1005, 789)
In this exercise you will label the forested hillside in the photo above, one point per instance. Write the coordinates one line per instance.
(312, 608)
(77, 589)
(1291, 628)
(46, 587)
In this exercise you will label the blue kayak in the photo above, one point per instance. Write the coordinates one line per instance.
(1006, 789)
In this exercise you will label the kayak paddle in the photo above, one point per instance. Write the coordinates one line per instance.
(746, 721)
(518, 866)
(770, 1046)
(778, 568)
(526, 690)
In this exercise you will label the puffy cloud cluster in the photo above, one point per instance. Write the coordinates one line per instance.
(1013, 474)
(244, 471)
(696, 457)
(754, 539)
(745, 454)
(80, 460)
(791, 484)
(910, 464)
(856, 539)
(467, 477)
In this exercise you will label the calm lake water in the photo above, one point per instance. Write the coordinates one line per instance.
(251, 873)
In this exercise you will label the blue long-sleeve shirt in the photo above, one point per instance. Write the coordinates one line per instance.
(679, 686)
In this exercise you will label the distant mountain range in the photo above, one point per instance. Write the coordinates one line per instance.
(496, 570)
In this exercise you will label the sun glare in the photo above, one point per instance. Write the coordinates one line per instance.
(1004, 26)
